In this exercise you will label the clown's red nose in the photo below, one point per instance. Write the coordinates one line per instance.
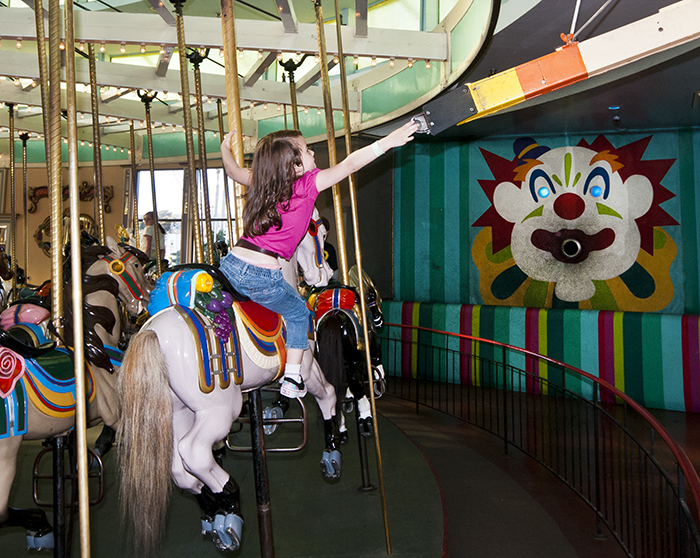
(569, 206)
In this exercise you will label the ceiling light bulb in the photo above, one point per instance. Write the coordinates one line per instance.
(202, 52)
(114, 148)
(316, 58)
(265, 106)
(122, 48)
(410, 62)
(260, 54)
(19, 43)
(174, 127)
(427, 64)
(82, 143)
(252, 105)
(355, 60)
(143, 124)
(336, 59)
(306, 110)
(240, 52)
(143, 48)
(81, 46)
(374, 60)
(89, 144)
(297, 57)
(16, 82)
(62, 45)
(279, 56)
(391, 62)
(279, 107)
(318, 111)
(102, 47)
(163, 126)
(162, 49)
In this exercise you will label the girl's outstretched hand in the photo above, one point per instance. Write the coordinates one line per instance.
(400, 136)
(226, 144)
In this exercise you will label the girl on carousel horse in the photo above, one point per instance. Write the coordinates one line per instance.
(283, 185)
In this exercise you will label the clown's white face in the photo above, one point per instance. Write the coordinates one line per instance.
(574, 220)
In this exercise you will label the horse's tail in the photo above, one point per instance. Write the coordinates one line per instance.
(329, 339)
(146, 441)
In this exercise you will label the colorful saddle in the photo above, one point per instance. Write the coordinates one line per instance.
(346, 301)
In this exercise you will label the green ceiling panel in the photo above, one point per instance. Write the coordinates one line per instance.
(311, 124)
(466, 36)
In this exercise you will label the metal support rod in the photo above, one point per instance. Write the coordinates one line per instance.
(360, 273)
(262, 485)
(24, 136)
(191, 190)
(227, 196)
(13, 202)
(330, 135)
(367, 485)
(43, 80)
(59, 496)
(290, 67)
(233, 101)
(53, 135)
(196, 58)
(77, 286)
(96, 150)
(147, 97)
(134, 184)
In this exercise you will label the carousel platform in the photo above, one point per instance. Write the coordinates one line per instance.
(449, 491)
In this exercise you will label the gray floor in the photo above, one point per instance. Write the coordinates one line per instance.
(449, 492)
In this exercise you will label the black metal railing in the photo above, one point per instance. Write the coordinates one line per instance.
(607, 448)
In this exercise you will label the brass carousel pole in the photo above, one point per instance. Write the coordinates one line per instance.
(187, 114)
(196, 58)
(290, 67)
(233, 101)
(24, 136)
(43, 78)
(227, 197)
(358, 260)
(53, 135)
(13, 209)
(134, 183)
(79, 355)
(330, 135)
(96, 150)
(147, 97)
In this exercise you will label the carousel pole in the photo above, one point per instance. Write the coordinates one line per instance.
(79, 351)
(96, 149)
(290, 67)
(43, 78)
(25, 137)
(233, 99)
(227, 197)
(146, 98)
(358, 260)
(187, 114)
(196, 58)
(330, 135)
(134, 182)
(55, 182)
(13, 202)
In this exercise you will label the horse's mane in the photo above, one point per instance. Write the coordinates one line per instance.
(95, 352)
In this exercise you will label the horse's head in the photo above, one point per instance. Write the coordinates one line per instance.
(125, 264)
(5, 266)
(311, 256)
(372, 296)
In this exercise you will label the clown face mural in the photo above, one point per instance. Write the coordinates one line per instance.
(568, 222)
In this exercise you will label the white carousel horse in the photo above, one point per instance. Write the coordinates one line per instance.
(37, 388)
(181, 387)
(340, 342)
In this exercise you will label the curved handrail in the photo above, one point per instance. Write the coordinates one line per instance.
(691, 475)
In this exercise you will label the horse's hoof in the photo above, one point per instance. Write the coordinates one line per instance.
(331, 463)
(348, 406)
(274, 412)
(365, 426)
(36, 540)
(344, 437)
(224, 534)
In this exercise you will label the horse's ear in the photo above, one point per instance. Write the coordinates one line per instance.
(112, 245)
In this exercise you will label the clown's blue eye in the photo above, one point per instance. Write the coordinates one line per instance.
(543, 192)
(596, 191)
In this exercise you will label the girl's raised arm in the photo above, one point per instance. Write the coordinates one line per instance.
(358, 159)
(235, 173)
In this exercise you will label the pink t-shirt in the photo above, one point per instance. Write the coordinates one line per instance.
(295, 221)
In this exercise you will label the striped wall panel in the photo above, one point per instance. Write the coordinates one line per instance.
(661, 372)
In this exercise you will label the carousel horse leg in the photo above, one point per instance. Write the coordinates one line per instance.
(194, 468)
(39, 530)
(323, 392)
(103, 444)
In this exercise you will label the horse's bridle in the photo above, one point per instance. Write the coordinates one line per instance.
(117, 266)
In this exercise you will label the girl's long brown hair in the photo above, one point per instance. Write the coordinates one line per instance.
(274, 171)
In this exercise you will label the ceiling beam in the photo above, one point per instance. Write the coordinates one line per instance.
(163, 12)
(258, 69)
(109, 27)
(289, 18)
(360, 18)
(164, 61)
(310, 78)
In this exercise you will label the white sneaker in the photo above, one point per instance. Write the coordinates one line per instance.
(293, 389)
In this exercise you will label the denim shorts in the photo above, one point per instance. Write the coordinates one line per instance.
(268, 288)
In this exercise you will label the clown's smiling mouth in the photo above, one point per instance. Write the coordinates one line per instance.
(571, 246)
